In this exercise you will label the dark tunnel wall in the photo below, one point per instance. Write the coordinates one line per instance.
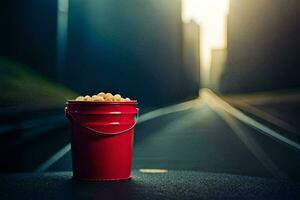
(131, 47)
(263, 46)
(28, 33)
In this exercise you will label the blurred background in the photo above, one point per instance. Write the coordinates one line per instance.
(160, 52)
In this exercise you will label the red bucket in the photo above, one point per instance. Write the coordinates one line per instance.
(102, 139)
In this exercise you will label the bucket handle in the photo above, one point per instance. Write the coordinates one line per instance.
(72, 118)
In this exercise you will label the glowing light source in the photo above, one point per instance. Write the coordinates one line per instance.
(154, 171)
(212, 17)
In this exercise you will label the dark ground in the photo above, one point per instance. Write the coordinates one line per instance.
(206, 151)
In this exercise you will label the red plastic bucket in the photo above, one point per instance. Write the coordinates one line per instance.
(102, 139)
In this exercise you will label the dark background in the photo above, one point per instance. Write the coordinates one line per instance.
(134, 48)
(142, 49)
(263, 46)
(28, 34)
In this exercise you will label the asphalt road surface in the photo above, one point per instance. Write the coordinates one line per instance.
(200, 136)
(172, 185)
(204, 148)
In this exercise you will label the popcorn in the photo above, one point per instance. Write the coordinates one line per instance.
(103, 97)
(99, 98)
(101, 94)
(88, 98)
(117, 97)
(80, 98)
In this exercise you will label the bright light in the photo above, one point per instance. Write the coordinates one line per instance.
(153, 171)
(212, 17)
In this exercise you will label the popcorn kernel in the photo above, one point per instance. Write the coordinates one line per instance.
(80, 98)
(103, 97)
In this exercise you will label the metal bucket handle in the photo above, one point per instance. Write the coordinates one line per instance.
(72, 118)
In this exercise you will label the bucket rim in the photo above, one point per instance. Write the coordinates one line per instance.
(132, 102)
